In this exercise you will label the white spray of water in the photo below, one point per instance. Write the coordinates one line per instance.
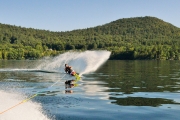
(26, 111)
(82, 62)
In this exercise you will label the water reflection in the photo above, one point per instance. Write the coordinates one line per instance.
(121, 82)
(70, 84)
(130, 77)
(142, 101)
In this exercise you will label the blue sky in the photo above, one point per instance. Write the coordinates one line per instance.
(65, 15)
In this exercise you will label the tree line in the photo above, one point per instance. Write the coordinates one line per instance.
(130, 38)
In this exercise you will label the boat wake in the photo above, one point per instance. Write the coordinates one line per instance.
(29, 111)
(29, 70)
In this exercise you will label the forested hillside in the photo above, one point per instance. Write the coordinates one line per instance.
(130, 38)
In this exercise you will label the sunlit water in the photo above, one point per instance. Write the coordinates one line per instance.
(122, 90)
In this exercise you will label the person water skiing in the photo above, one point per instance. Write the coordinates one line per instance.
(68, 69)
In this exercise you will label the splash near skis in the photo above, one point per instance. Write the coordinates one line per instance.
(82, 62)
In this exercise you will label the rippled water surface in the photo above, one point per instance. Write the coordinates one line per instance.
(122, 90)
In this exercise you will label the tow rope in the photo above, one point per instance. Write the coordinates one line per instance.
(25, 100)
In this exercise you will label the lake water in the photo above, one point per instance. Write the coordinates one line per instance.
(122, 90)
